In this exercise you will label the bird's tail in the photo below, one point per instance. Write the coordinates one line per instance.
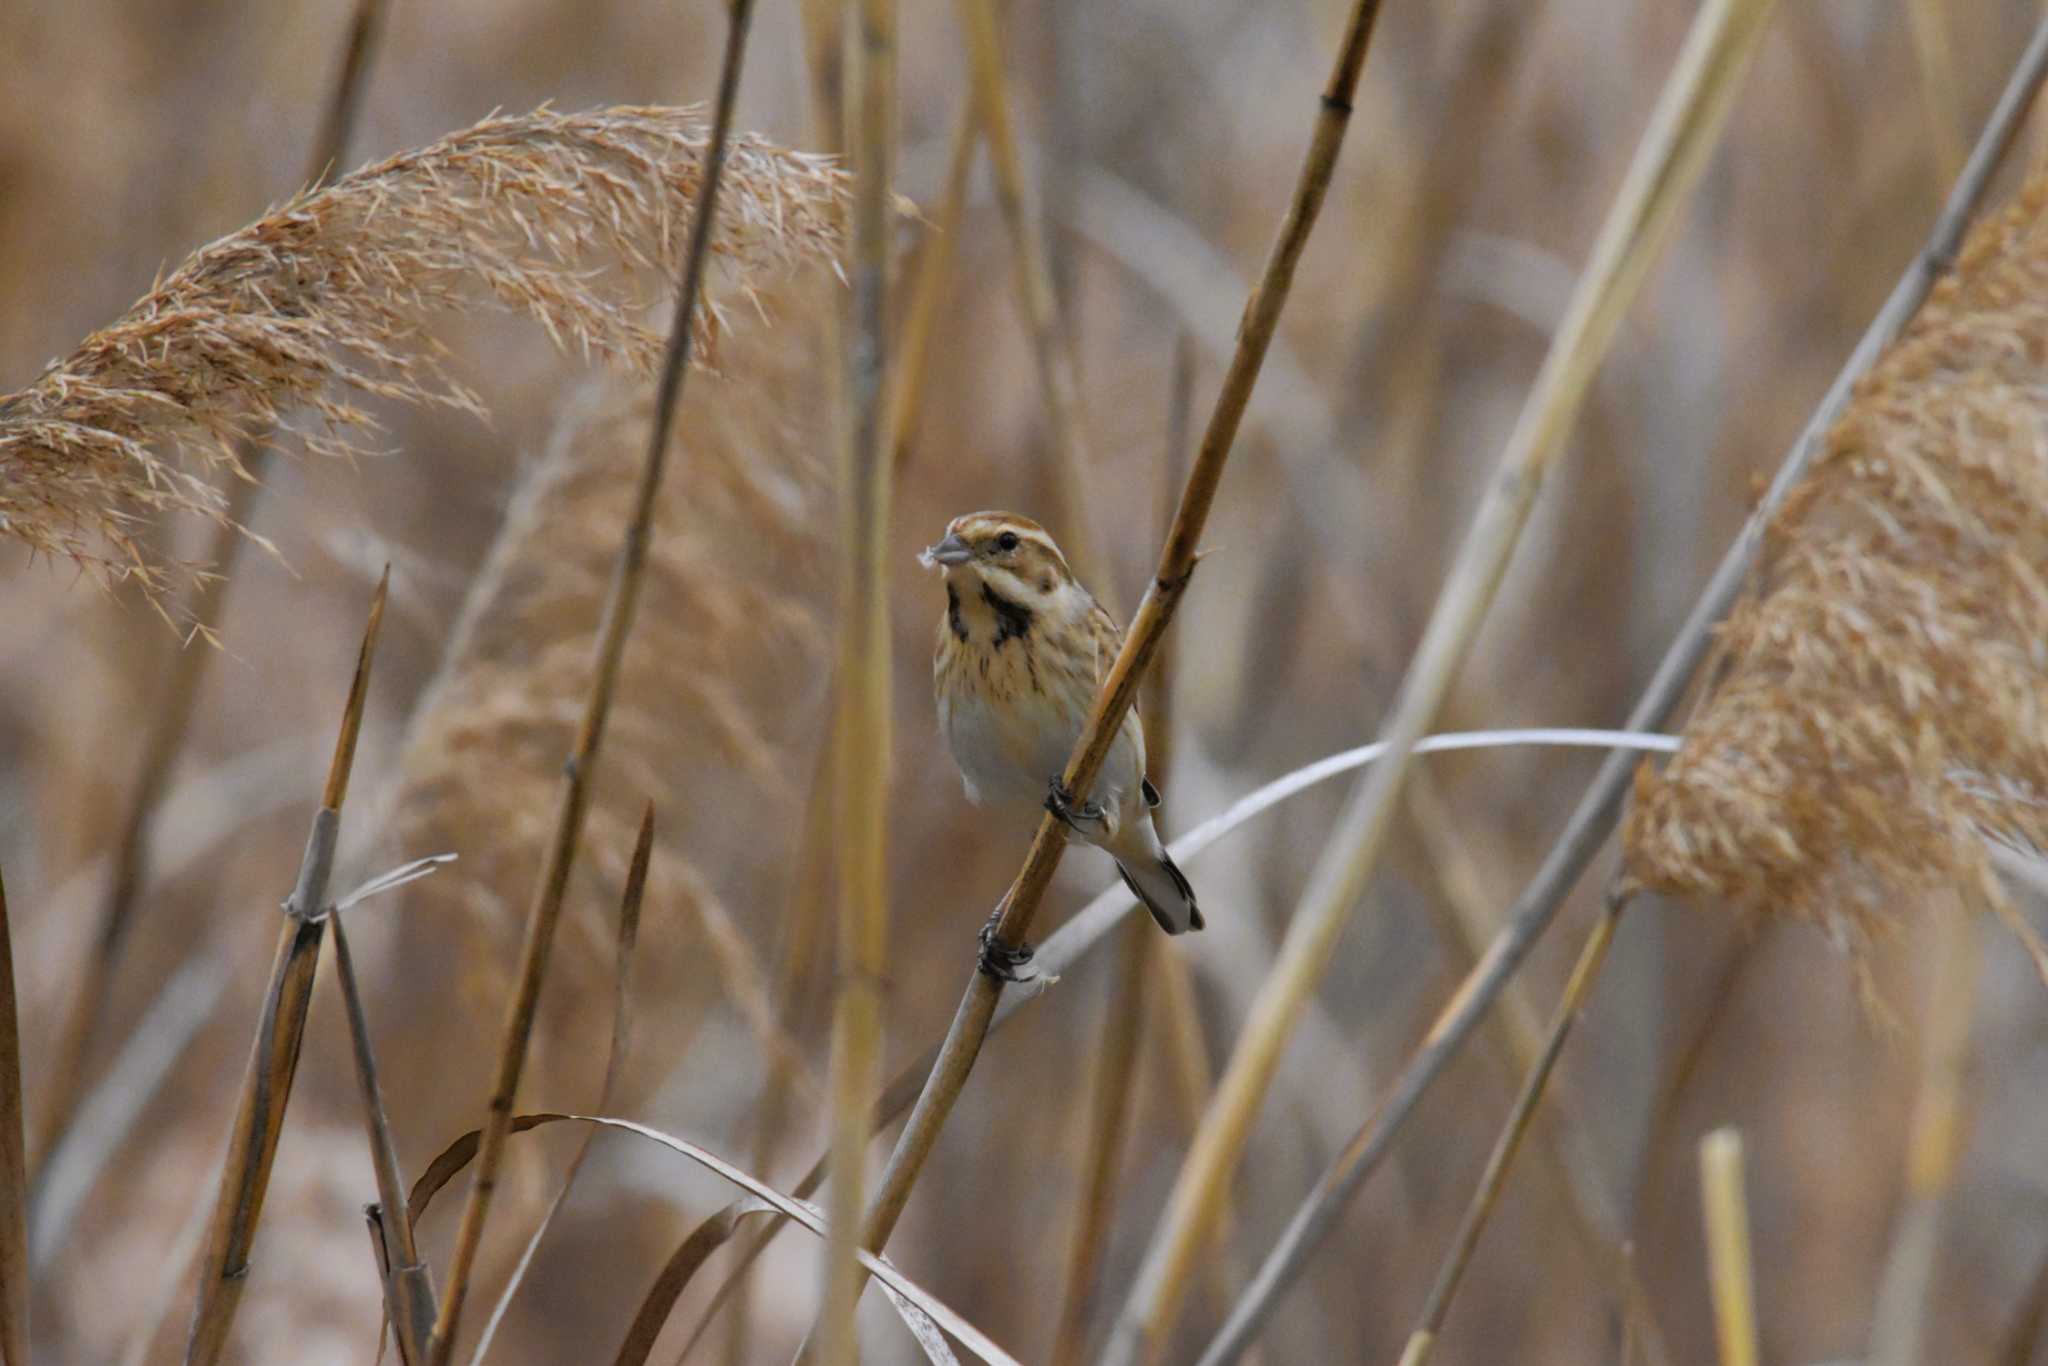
(1151, 875)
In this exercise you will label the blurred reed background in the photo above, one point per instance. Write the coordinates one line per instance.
(1159, 143)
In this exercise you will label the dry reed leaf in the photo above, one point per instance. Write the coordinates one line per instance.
(719, 695)
(576, 220)
(1884, 700)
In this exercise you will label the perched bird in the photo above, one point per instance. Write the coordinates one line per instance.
(1023, 649)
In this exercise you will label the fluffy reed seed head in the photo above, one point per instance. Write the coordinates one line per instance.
(1881, 708)
(576, 220)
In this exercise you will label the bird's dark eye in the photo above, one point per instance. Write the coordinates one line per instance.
(1007, 541)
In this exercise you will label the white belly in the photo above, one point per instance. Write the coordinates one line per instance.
(1007, 759)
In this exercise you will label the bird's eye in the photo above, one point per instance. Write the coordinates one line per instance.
(1007, 541)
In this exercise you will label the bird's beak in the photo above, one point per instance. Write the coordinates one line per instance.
(946, 553)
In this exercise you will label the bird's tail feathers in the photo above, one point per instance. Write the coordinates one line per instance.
(1162, 887)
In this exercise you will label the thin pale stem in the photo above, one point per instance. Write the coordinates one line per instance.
(616, 625)
(862, 742)
(1730, 1269)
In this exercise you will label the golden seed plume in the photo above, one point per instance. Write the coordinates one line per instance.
(1883, 703)
(576, 220)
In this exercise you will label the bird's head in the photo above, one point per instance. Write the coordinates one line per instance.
(1011, 556)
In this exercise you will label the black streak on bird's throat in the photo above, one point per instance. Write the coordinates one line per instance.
(953, 618)
(1013, 621)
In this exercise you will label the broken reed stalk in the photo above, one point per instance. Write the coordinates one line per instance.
(1139, 954)
(1051, 341)
(1683, 131)
(1593, 819)
(1422, 1341)
(1730, 1270)
(1934, 1146)
(609, 649)
(861, 731)
(1162, 597)
(177, 695)
(280, 1029)
(13, 1165)
(408, 1288)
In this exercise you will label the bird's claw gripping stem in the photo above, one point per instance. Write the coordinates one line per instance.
(1080, 817)
(1000, 960)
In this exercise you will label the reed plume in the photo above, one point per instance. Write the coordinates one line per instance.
(575, 220)
(1883, 699)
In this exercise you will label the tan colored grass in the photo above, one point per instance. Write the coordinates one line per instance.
(576, 220)
(1884, 699)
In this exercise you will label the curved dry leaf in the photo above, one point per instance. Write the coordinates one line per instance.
(462, 1151)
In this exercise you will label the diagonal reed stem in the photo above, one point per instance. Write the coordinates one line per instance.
(1438, 1306)
(1683, 131)
(185, 670)
(1176, 567)
(274, 1058)
(1598, 809)
(621, 599)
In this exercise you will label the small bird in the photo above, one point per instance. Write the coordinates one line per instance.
(1023, 649)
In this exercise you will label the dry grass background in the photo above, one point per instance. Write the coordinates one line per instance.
(1487, 141)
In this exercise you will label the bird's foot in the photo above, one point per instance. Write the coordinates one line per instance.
(1002, 961)
(1083, 818)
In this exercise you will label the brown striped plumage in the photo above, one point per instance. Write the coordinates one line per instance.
(1022, 650)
